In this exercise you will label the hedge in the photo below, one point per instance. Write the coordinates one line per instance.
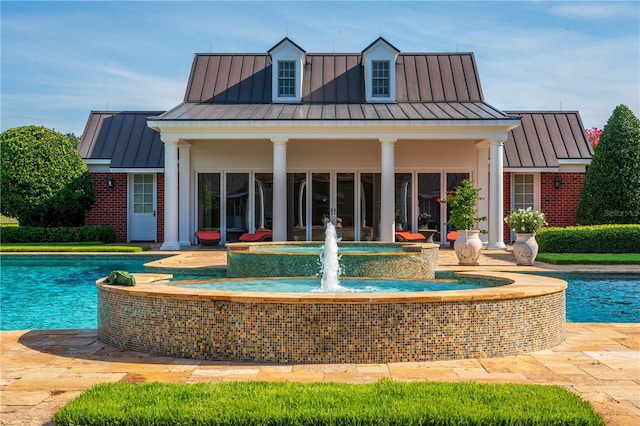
(590, 239)
(27, 234)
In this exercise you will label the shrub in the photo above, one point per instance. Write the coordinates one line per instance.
(611, 190)
(590, 239)
(43, 180)
(28, 234)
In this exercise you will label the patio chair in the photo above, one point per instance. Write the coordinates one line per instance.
(262, 235)
(410, 237)
(208, 237)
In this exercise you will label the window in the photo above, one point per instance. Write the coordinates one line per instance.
(286, 78)
(143, 193)
(523, 191)
(380, 78)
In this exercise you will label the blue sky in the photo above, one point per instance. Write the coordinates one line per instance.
(60, 60)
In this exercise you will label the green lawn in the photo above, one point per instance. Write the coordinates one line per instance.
(590, 258)
(85, 247)
(285, 403)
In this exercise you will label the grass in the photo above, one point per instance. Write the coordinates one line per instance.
(590, 258)
(285, 403)
(84, 247)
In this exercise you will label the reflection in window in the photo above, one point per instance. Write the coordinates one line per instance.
(263, 200)
(370, 184)
(428, 194)
(208, 201)
(403, 201)
(237, 201)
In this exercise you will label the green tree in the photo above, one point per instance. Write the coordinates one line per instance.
(611, 191)
(43, 180)
(75, 140)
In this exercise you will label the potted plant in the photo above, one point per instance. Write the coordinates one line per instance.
(525, 223)
(463, 215)
(423, 220)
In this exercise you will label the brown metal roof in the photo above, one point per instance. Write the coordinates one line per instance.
(336, 78)
(124, 138)
(544, 137)
(342, 111)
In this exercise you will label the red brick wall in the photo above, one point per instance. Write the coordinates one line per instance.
(506, 204)
(110, 207)
(160, 206)
(559, 205)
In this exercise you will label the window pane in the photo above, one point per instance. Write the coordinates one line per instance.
(380, 78)
(286, 78)
(208, 200)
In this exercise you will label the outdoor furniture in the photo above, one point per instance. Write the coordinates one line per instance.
(263, 235)
(410, 237)
(208, 237)
(428, 234)
(452, 236)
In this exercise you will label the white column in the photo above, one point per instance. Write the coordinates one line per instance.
(496, 233)
(482, 181)
(184, 206)
(279, 189)
(387, 196)
(170, 196)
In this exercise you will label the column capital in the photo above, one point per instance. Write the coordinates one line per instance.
(279, 141)
(387, 141)
(169, 141)
(495, 142)
(184, 144)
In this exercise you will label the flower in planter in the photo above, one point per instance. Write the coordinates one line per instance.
(424, 219)
(463, 201)
(525, 221)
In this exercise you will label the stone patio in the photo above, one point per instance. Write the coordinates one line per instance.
(41, 370)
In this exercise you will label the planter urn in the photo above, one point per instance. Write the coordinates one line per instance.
(467, 247)
(525, 249)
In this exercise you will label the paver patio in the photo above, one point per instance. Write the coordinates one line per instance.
(41, 370)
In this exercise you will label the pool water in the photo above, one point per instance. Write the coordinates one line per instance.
(347, 285)
(595, 297)
(56, 292)
(59, 292)
(317, 249)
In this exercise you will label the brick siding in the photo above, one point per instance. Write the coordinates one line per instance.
(110, 207)
(560, 205)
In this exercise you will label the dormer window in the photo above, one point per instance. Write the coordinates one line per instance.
(380, 78)
(286, 78)
(287, 59)
(379, 63)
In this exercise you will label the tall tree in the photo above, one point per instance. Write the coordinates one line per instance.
(611, 191)
(43, 180)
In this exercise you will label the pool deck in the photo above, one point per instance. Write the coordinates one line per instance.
(41, 370)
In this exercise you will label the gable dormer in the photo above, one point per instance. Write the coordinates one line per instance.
(379, 62)
(287, 60)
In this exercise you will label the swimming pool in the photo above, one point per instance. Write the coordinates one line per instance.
(59, 292)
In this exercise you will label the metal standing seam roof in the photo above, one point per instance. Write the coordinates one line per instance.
(336, 78)
(545, 138)
(122, 137)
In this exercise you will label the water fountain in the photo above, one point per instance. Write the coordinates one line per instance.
(525, 314)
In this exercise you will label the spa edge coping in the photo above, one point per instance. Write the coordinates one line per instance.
(519, 286)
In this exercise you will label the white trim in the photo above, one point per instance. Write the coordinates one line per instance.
(531, 170)
(97, 161)
(136, 170)
(584, 161)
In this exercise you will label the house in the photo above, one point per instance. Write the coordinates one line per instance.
(286, 140)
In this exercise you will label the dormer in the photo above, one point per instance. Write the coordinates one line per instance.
(287, 60)
(379, 62)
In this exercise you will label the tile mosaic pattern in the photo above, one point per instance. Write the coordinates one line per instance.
(416, 261)
(229, 326)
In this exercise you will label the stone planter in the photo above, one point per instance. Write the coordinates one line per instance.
(467, 247)
(525, 248)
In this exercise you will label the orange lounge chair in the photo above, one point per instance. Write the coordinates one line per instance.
(208, 237)
(264, 235)
(410, 237)
(452, 236)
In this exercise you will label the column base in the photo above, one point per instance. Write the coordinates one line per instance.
(496, 245)
(184, 243)
(170, 245)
